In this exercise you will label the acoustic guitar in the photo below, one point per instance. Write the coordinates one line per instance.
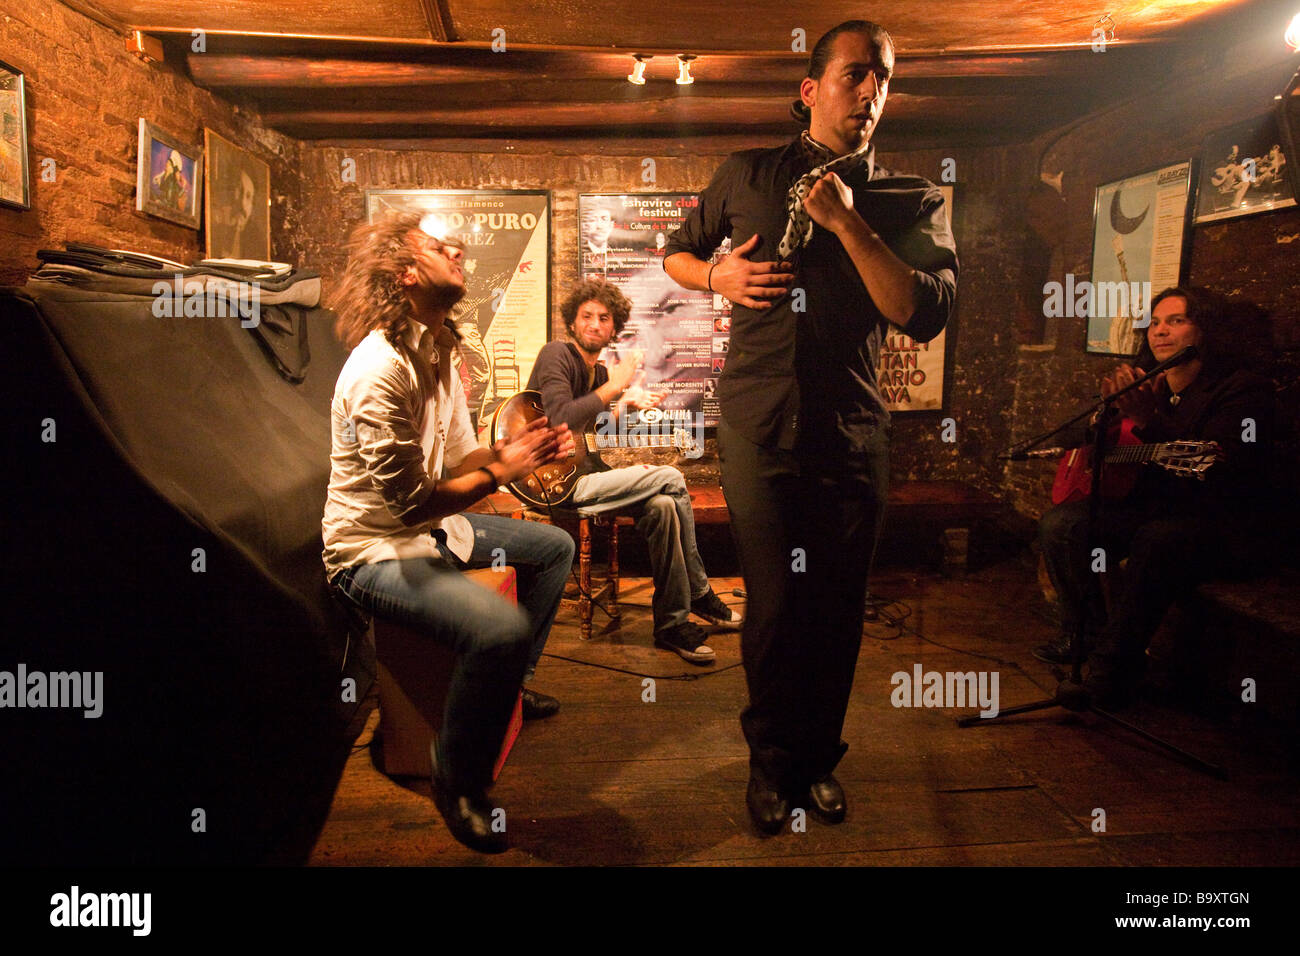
(552, 485)
(1074, 473)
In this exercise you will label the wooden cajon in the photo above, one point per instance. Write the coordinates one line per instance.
(414, 676)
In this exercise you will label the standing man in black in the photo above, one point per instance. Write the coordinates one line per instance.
(829, 249)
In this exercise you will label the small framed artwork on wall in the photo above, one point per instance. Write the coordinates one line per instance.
(1243, 171)
(15, 189)
(169, 176)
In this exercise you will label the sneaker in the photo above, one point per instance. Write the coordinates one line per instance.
(710, 607)
(687, 642)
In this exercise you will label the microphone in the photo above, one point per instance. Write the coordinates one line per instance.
(1036, 453)
(1178, 358)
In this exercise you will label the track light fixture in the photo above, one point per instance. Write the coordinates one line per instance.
(684, 77)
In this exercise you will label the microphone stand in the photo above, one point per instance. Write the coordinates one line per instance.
(1070, 692)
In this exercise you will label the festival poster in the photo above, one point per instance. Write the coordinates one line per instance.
(911, 372)
(683, 336)
(504, 319)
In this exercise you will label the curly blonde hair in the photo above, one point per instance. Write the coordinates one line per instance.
(369, 296)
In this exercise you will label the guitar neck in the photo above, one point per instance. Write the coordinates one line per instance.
(629, 441)
(1134, 454)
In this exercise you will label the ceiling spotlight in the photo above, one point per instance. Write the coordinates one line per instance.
(637, 75)
(1292, 36)
(684, 77)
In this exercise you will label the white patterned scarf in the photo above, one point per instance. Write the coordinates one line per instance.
(799, 229)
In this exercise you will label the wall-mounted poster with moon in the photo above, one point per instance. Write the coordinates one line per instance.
(1138, 233)
(1243, 171)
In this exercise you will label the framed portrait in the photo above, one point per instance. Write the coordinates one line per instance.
(505, 317)
(15, 186)
(169, 176)
(683, 336)
(1243, 171)
(1138, 236)
(236, 202)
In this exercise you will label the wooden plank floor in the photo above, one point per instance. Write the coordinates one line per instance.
(612, 780)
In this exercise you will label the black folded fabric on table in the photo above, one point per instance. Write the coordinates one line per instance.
(169, 536)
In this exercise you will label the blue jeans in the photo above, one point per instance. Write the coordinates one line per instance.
(496, 643)
(667, 523)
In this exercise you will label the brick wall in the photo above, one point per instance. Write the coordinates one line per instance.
(982, 344)
(85, 96)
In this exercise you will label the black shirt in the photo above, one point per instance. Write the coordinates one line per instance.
(1235, 409)
(809, 378)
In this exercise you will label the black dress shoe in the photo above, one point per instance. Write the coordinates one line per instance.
(469, 818)
(1054, 652)
(537, 706)
(768, 808)
(826, 797)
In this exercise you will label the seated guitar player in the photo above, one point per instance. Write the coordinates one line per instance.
(1175, 531)
(575, 389)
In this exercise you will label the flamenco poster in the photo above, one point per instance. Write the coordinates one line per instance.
(683, 336)
(504, 319)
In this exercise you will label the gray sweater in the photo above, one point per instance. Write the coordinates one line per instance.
(560, 375)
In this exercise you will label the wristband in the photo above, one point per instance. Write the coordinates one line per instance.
(709, 283)
(496, 482)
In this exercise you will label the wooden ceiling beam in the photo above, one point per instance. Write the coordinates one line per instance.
(741, 112)
(282, 50)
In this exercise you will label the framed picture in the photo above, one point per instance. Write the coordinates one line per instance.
(15, 187)
(1138, 236)
(1288, 121)
(505, 317)
(1243, 171)
(910, 375)
(236, 202)
(683, 336)
(169, 176)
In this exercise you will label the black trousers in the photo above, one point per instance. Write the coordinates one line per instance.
(1168, 554)
(805, 544)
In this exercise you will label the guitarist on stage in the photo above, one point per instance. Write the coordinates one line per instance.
(575, 389)
(1175, 531)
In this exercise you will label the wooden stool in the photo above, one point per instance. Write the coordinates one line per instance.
(414, 677)
(585, 521)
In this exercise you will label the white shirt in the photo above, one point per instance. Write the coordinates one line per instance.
(398, 419)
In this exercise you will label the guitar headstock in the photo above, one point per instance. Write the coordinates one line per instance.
(1188, 458)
